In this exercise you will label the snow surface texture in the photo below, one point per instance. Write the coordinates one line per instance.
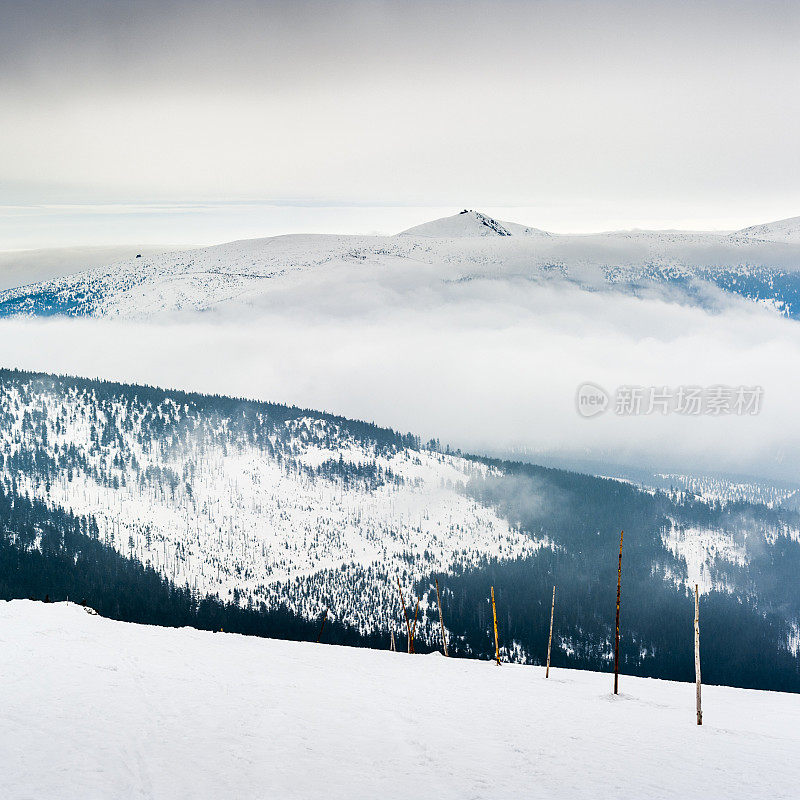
(223, 508)
(95, 709)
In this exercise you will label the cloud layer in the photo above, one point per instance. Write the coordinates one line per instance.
(487, 365)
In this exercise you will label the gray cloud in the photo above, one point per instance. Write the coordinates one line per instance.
(486, 104)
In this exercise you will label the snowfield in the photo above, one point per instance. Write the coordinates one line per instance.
(94, 708)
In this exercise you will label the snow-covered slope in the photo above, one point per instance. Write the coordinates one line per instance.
(247, 501)
(292, 270)
(470, 223)
(785, 230)
(95, 709)
(21, 267)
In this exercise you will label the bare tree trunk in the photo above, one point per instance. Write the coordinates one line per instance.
(616, 637)
(441, 620)
(405, 612)
(550, 640)
(496, 644)
(697, 652)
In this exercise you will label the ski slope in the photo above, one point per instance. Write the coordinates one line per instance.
(95, 709)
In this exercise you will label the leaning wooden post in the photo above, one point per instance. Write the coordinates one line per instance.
(322, 627)
(550, 639)
(496, 645)
(441, 621)
(616, 637)
(697, 652)
(392, 646)
(414, 629)
(405, 612)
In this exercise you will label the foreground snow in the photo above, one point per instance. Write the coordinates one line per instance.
(96, 709)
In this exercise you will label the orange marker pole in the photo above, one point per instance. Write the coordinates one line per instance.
(496, 644)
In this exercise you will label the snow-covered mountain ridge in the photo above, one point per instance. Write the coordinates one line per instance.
(467, 246)
(471, 223)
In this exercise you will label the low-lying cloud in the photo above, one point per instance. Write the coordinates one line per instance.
(484, 364)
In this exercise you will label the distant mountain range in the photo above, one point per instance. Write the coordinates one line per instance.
(264, 510)
(761, 264)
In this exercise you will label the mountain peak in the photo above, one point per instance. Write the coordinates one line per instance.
(469, 223)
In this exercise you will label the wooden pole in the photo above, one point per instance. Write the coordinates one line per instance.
(414, 629)
(441, 621)
(392, 646)
(697, 652)
(322, 627)
(496, 645)
(408, 624)
(550, 639)
(616, 637)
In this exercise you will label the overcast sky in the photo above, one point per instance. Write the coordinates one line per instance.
(585, 115)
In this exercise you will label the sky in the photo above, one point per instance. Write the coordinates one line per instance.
(200, 122)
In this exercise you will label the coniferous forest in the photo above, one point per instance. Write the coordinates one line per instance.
(51, 554)
(177, 509)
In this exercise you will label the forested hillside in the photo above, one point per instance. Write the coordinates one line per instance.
(178, 508)
(50, 554)
(251, 502)
(743, 556)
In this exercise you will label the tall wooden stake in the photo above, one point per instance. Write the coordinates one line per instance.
(616, 637)
(414, 629)
(550, 639)
(322, 627)
(441, 621)
(405, 612)
(496, 645)
(697, 652)
(392, 646)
